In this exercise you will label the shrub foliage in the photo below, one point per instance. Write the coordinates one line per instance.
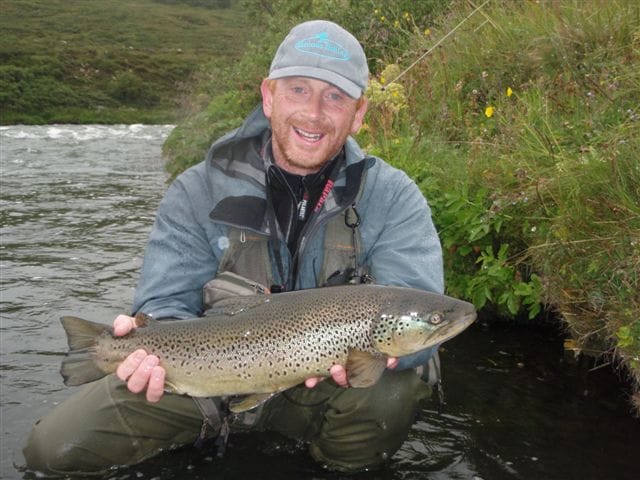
(522, 131)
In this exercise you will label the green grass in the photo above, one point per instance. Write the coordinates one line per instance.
(110, 61)
(522, 129)
(537, 191)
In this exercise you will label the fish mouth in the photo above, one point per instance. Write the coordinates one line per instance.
(464, 322)
(454, 328)
(469, 318)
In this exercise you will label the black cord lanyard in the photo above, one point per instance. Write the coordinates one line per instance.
(301, 213)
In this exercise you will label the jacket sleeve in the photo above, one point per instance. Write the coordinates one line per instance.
(407, 250)
(178, 259)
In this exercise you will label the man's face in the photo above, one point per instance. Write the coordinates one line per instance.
(310, 121)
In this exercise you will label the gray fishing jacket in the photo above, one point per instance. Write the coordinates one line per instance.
(227, 192)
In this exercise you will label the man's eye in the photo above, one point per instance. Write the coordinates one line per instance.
(335, 96)
(298, 90)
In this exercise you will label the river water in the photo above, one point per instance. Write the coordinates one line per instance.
(77, 204)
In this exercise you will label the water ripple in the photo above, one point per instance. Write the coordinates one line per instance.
(76, 206)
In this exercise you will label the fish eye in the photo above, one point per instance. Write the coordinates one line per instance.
(435, 318)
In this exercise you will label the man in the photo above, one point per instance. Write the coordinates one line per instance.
(287, 201)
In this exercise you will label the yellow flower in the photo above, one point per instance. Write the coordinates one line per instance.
(427, 32)
(406, 15)
(488, 111)
(376, 11)
(509, 92)
(383, 18)
(383, 80)
(396, 23)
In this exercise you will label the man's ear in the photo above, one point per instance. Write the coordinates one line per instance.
(266, 89)
(358, 118)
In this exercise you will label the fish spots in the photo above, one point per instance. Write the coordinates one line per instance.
(280, 340)
(382, 333)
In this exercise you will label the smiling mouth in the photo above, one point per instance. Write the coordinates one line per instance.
(310, 137)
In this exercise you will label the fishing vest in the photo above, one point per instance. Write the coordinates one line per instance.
(246, 265)
(246, 269)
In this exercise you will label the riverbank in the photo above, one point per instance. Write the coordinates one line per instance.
(521, 129)
(111, 61)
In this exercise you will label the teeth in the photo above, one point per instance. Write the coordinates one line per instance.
(314, 137)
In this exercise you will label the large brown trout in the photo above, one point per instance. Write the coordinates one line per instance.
(262, 344)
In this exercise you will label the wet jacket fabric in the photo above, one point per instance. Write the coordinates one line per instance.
(400, 245)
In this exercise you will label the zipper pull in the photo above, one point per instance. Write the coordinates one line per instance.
(302, 206)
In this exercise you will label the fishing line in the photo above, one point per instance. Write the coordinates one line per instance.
(436, 44)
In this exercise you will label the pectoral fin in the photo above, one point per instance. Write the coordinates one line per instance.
(249, 402)
(364, 369)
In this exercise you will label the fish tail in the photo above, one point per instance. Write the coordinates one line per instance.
(79, 366)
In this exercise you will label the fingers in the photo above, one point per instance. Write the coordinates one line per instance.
(130, 364)
(339, 375)
(155, 388)
(139, 370)
(142, 371)
(140, 377)
(123, 324)
(312, 382)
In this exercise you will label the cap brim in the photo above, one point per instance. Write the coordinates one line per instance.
(339, 81)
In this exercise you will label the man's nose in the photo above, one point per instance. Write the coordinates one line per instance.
(314, 105)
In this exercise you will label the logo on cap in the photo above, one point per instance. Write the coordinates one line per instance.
(320, 45)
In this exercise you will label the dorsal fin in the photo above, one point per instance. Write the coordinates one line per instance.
(143, 320)
(235, 305)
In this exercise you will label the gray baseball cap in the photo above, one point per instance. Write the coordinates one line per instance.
(325, 51)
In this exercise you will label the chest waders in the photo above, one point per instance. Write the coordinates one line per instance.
(246, 269)
(332, 419)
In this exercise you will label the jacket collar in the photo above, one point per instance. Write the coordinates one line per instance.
(238, 155)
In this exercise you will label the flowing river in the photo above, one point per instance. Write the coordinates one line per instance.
(77, 205)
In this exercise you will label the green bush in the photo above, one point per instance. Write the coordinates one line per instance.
(109, 61)
(528, 120)
(128, 88)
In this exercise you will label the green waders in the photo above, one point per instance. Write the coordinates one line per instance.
(104, 424)
(347, 429)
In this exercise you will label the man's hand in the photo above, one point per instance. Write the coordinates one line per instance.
(339, 374)
(139, 370)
